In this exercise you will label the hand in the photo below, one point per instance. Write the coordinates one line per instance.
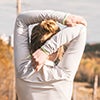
(39, 58)
(73, 20)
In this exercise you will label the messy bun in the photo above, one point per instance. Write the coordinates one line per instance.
(49, 25)
(42, 32)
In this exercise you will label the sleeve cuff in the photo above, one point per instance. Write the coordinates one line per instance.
(44, 50)
(64, 20)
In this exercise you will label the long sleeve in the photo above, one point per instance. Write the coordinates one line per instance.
(65, 36)
(63, 73)
(21, 39)
(75, 39)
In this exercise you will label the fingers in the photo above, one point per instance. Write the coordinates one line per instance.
(34, 64)
(73, 20)
(38, 67)
(39, 58)
(82, 21)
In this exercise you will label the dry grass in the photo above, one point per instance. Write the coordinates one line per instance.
(89, 67)
(6, 70)
(84, 91)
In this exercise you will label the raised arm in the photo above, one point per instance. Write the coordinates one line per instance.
(21, 39)
(36, 16)
(21, 35)
(59, 39)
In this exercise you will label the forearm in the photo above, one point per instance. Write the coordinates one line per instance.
(36, 16)
(21, 28)
(63, 37)
(21, 34)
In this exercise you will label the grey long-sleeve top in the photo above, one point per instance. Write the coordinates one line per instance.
(23, 65)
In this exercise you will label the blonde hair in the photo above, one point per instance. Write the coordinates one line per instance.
(42, 32)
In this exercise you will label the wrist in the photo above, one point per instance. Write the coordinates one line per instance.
(65, 19)
(44, 50)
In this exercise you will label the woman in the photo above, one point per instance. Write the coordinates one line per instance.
(48, 81)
